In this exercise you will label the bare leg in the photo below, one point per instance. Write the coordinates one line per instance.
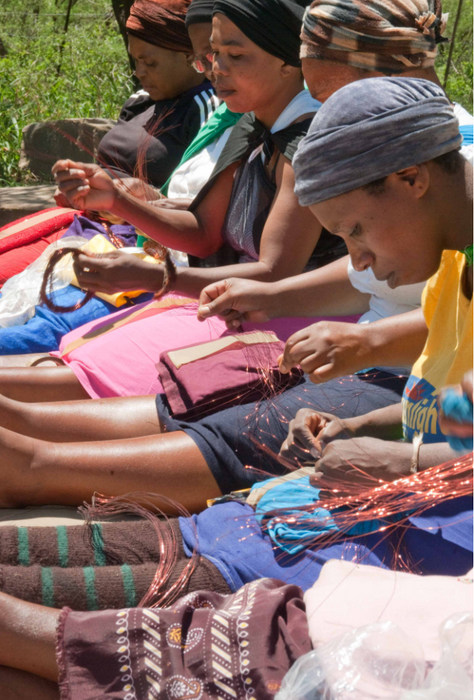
(28, 638)
(20, 685)
(39, 384)
(82, 421)
(33, 472)
(26, 360)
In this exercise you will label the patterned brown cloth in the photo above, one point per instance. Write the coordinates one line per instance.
(161, 22)
(388, 36)
(207, 645)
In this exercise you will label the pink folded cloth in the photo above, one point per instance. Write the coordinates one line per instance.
(203, 378)
(347, 596)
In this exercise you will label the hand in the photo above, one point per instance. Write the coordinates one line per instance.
(61, 199)
(116, 272)
(309, 432)
(326, 350)
(360, 463)
(85, 185)
(236, 300)
(448, 425)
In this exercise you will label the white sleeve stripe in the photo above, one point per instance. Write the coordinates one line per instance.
(212, 100)
(202, 108)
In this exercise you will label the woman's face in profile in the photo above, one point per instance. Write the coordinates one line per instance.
(162, 73)
(247, 78)
(394, 232)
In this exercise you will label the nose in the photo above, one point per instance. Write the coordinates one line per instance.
(361, 259)
(219, 66)
(140, 70)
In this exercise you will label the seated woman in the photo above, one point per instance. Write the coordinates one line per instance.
(45, 330)
(259, 241)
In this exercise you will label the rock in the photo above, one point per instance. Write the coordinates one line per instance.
(16, 202)
(44, 143)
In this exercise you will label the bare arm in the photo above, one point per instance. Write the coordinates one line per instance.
(323, 292)
(328, 349)
(290, 235)
(197, 233)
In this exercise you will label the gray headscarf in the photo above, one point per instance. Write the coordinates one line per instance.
(370, 129)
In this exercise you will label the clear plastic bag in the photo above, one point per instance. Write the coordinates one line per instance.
(380, 662)
(451, 677)
(20, 294)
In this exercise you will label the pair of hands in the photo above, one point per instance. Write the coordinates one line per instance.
(323, 350)
(343, 462)
(86, 186)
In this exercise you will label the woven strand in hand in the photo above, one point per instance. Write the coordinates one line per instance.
(47, 283)
(169, 278)
(161, 253)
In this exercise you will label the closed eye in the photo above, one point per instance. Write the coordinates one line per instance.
(356, 231)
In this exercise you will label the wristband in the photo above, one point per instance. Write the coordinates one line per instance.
(417, 443)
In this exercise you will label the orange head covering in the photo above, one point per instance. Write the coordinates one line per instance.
(161, 22)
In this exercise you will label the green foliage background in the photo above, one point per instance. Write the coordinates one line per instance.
(94, 78)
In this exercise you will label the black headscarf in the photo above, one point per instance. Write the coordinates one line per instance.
(274, 25)
(200, 11)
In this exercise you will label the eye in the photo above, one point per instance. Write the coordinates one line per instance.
(356, 231)
(235, 57)
(150, 64)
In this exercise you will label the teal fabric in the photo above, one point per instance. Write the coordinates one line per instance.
(300, 499)
(457, 407)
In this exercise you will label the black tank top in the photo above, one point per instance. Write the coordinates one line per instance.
(251, 199)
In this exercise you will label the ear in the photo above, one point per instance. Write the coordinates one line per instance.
(286, 70)
(416, 179)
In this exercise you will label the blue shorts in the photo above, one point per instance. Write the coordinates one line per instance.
(231, 440)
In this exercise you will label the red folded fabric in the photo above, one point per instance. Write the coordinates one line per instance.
(15, 261)
(31, 228)
(221, 377)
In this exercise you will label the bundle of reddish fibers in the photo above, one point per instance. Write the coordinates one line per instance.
(381, 506)
(145, 506)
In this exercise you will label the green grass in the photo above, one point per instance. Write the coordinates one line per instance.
(459, 87)
(94, 80)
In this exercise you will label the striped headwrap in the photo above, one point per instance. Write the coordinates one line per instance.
(370, 129)
(162, 23)
(388, 36)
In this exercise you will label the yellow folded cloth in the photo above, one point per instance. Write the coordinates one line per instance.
(99, 244)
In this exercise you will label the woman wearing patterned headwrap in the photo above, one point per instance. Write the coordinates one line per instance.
(158, 123)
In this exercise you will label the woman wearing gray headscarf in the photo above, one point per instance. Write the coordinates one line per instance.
(344, 41)
(381, 168)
